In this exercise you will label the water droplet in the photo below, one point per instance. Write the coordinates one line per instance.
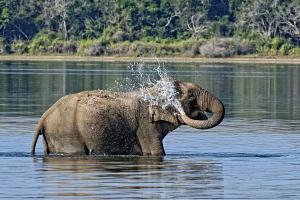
(153, 83)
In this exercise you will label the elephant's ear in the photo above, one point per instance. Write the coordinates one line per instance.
(157, 113)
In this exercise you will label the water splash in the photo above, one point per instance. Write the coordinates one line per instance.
(163, 94)
(153, 83)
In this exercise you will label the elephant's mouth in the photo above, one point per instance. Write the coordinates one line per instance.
(198, 115)
(195, 115)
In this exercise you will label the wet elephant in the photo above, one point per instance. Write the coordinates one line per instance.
(115, 123)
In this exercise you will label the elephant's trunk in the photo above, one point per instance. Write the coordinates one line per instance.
(210, 104)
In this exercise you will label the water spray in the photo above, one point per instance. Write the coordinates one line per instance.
(153, 84)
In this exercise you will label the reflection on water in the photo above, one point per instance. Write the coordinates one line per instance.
(116, 176)
(248, 91)
(254, 153)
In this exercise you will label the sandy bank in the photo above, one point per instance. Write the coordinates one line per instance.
(259, 60)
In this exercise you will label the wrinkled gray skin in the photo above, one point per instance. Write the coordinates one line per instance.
(113, 123)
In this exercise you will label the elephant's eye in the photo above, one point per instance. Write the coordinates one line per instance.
(191, 95)
(179, 93)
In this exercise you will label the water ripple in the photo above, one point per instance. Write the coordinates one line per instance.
(132, 158)
(253, 154)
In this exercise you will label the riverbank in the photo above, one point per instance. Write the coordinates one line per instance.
(253, 59)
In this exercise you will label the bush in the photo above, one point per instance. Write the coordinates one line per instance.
(61, 46)
(243, 48)
(119, 49)
(157, 47)
(196, 48)
(141, 49)
(70, 47)
(167, 49)
(285, 49)
(84, 46)
(273, 47)
(295, 51)
(96, 50)
(119, 36)
(42, 42)
(4, 47)
(263, 46)
(19, 47)
(56, 46)
(92, 47)
(276, 43)
(189, 47)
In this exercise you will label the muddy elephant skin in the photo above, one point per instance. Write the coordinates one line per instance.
(114, 123)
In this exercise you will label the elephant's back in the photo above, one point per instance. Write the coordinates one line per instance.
(101, 99)
(61, 107)
(92, 103)
(106, 95)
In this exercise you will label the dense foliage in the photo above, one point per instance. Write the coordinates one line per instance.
(150, 27)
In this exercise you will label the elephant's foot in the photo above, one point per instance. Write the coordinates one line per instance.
(155, 151)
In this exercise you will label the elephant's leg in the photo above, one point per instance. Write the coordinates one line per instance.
(150, 141)
(46, 147)
(66, 143)
(157, 148)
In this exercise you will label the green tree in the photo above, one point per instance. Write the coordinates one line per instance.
(18, 19)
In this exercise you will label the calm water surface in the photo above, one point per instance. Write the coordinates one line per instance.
(254, 153)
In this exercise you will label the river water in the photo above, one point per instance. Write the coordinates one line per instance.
(253, 154)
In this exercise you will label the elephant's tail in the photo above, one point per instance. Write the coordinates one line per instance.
(37, 132)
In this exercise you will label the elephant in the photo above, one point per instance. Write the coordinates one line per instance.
(103, 122)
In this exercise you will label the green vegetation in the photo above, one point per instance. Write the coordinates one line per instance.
(211, 28)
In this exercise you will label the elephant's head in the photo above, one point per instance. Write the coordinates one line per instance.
(195, 101)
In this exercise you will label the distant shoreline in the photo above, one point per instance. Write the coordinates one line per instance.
(69, 58)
